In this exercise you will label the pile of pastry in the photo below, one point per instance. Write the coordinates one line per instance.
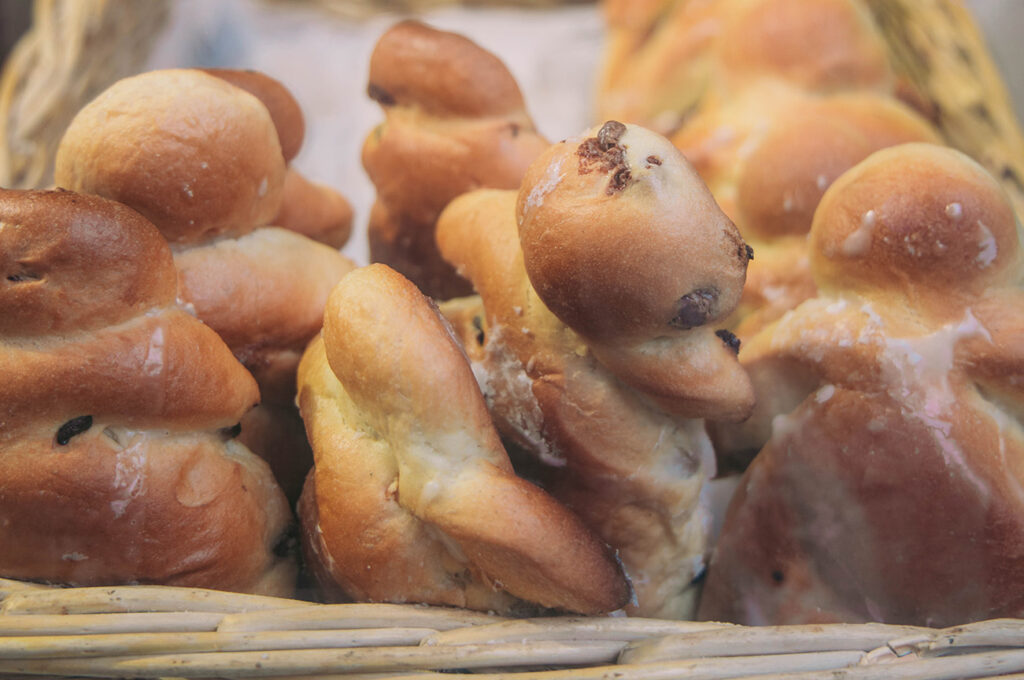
(761, 262)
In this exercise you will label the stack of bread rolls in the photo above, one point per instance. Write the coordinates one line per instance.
(206, 161)
(119, 411)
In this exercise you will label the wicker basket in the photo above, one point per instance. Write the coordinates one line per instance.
(155, 632)
(78, 47)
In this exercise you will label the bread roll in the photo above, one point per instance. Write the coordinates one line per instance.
(413, 498)
(455, 121)
(118, 409)
(202, 159)
(595, 353)
(888, 485)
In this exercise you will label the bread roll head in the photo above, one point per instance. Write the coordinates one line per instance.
(281, 104)
(192, 153)
(71, 262)
(621, 238)
(443, 73)
(949, 231)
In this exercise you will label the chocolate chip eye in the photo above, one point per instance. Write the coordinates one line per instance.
(750, 253)
(478, 325)
(695, 308)
(380, 95)
(73, 427)
(730, 340)
(231, 432)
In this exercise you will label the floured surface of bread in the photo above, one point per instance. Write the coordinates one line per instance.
(455, 121)
(117, 414)
(413, 497)
(892, 459)
(616, 448)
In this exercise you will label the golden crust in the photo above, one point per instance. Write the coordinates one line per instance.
(455, 121)
(194, 154)
(92, 286)
(415, 498)
(890, 415)
(116, 463)
(314, 210)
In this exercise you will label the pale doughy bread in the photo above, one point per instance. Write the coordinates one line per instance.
(888, 485)
(413, 498)
(201, 157)
(455, 121)
(118, 411)
(611, 416)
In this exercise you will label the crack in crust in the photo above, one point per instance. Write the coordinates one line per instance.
(604, 154)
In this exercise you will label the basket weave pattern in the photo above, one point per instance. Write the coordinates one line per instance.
(159, 631)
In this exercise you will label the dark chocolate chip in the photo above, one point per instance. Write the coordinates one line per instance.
(730, 339)
(380, 95)
(610, 134)
(695, 308)
(750, 253)
(73, 427)
(618, 181)
(478, 324)
(700, 576)
(288, 542)
(231, 432)
(23, 276)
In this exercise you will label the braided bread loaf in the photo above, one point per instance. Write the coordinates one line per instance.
(597, 349)
(455, 121)
(889, 484)
(117, 411)
(202, 159)
(412, 497)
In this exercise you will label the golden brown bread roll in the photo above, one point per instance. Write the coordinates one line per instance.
(454, 121)
(118, 462)
(889, 486)
(608, 396)
(202, 158)
(413, 498)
